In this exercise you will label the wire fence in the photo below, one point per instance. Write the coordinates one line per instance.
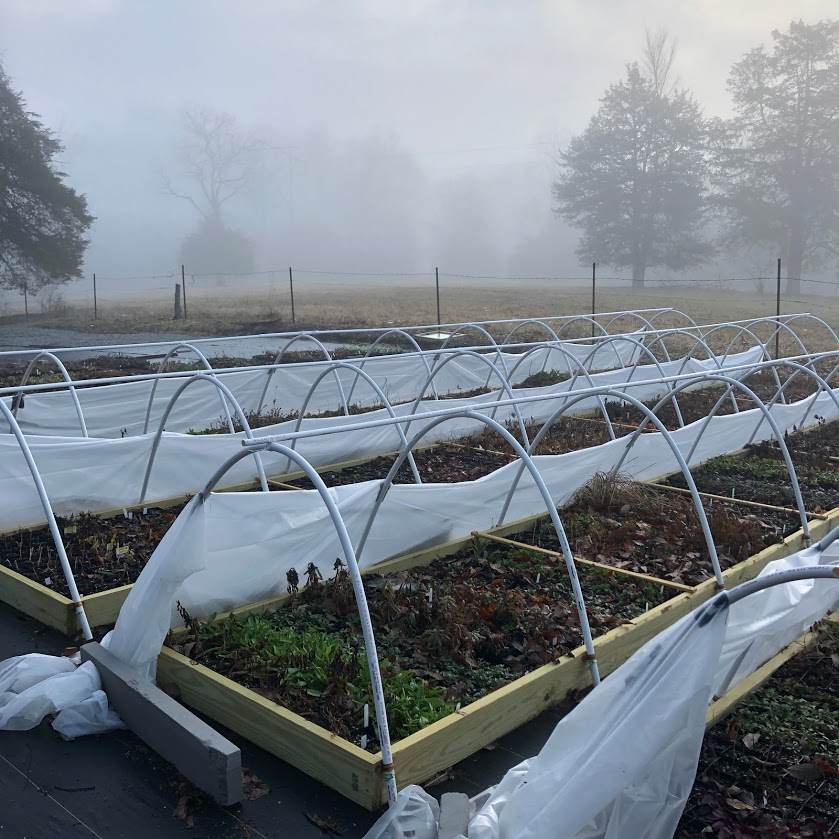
(279, 291)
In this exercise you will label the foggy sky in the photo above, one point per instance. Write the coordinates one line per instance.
(423, 131)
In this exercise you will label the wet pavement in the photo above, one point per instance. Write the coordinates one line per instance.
(112, 785)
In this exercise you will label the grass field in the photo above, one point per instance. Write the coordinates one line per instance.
(226, 311)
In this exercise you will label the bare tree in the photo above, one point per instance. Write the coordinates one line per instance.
(659, 55)
(217, 161)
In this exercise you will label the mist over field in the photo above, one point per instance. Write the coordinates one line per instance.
(378, 137)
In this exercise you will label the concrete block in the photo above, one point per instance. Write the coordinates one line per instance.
(454, 815)
(210, 761)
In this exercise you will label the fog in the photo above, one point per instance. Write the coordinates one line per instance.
(393, 136)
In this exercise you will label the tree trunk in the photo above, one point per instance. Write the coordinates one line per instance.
(638, 272)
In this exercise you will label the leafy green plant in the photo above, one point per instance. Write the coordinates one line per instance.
(300, 665)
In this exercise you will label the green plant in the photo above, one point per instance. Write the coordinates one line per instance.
(300, 666)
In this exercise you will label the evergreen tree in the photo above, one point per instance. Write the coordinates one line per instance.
(43, 221)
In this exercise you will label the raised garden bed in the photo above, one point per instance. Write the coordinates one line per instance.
(695, 404)
(106, 366)
(273, 415)
(759, 474)
(448, 634)
(342, 763)
(108, 551)
(640, 528)
(108, 556)
(770, 768)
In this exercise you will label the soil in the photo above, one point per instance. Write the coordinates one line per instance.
(451, 632)
(696, 404)
(759, 474)
(628, 525)
(770, 768)
(443, 463)
(567, 434)
(103, 553)
(810, 448)
(92, 548)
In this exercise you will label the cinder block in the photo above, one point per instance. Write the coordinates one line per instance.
(454, 815)
(210, 761)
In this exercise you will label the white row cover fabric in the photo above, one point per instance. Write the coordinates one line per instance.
(120, 409)
(89, 475)
(254, 538)
(623, 762)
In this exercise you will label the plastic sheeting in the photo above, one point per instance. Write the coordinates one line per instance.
(764, 623)
(87, 474)
(120, 409)
(254, 538)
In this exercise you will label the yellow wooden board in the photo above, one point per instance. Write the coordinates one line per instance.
(348, 769)
(46, 606)
(723, 706)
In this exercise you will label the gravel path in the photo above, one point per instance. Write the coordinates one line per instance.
(19, 336)
(22, 337)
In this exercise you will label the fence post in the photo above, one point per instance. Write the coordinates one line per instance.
(183, 285)
(178, 311)
(437, 286)
(593, 293)
(778, 310)
(291, 290)
(95, 306)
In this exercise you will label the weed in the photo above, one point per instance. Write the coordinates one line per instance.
(607, 493)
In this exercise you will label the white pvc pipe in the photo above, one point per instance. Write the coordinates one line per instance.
(694, 377)
(75, 597)
(67, 378)
(379, 392)
(263, 480)
(765, 414)
(207, 366)
(279, 357)
(528, 463)
(700, 510)
(388, 772)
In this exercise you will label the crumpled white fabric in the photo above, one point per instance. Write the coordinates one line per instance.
(92, 715)
(34, 686)
(414, 816)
